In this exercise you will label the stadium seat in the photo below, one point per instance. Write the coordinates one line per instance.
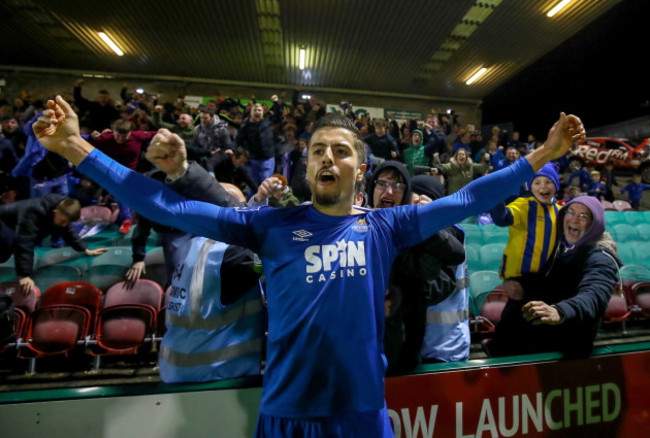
(480, 284)
(63, 256)
(625, 253)
(8, 270)
(54, 330)
(97, 213)
(472, 257)
(634, 217)
(109, 268)
(79, 293)
(640, 296)
(640, 252)
(491, 309)
(617, 311)
(155, 269)
(614, 217)
(62, 320)
(622, 205)
(624, 233)
(643, 229)
(635, 272)
(50, 275)
(608, 206)
(490, 255)
(494, 234)
(24, 304)
(128, 317)
(473, 234)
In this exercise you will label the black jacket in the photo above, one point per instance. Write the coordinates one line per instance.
(33, 220)
(580, 283)
(423, 275)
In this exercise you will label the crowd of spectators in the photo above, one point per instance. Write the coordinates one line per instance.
(243, 141)
(247, 143)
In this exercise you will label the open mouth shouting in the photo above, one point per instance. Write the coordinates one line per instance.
(385, 203)
(326, 176)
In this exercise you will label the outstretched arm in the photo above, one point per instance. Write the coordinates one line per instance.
(482, 194)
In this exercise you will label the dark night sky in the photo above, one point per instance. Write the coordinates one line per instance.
(600, 74)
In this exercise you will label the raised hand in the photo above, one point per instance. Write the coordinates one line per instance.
(566, 131)
(167, 152)
(58, 126)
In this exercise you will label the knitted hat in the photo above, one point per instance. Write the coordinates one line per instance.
(550, 171)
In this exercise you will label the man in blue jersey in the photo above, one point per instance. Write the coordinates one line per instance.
(326, 264)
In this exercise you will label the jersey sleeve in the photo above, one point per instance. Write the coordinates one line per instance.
(154, 200)
(476, 197)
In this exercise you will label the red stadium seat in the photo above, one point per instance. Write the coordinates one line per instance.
(62, 321)
(96, 213)
(640, 297)
(78, 293)
(491, 310)
(57, 329)
(128, 317)
(608, 206)
(24, 304)
(617, 311)
(622, 205)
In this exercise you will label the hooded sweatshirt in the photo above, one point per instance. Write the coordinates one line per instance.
(414, 155)
(401, 170)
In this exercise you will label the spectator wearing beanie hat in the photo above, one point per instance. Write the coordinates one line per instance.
(530, 242)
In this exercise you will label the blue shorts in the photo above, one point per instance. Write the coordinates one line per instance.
(375, 424)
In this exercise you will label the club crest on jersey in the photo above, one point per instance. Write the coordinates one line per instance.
(329, 262)
(245, 209)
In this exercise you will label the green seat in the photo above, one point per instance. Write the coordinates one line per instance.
(490, 255)
(614, 217)
(624, 233)
(626, 254)
(50, 275)
(635, 272)
(116, 255)
(640, 252)
(63, 256)
(644, 231)
(635, 217)
(472, 257)
(481, 283)
(473, 233)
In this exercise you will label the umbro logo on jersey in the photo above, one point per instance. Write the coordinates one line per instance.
(302, 235)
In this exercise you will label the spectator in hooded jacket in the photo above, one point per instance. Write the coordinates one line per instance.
(422, 275)
(415, 155)
(563, 304)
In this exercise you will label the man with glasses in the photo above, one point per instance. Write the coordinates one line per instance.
(563, 305)
(422, 275)
(326, 264)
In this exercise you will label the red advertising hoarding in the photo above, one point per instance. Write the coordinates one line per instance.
(606, 396)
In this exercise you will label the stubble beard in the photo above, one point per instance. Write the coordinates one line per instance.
(327, 198)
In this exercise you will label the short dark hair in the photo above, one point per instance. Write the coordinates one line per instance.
(239, 152)
(70, 208)
(331, 121)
